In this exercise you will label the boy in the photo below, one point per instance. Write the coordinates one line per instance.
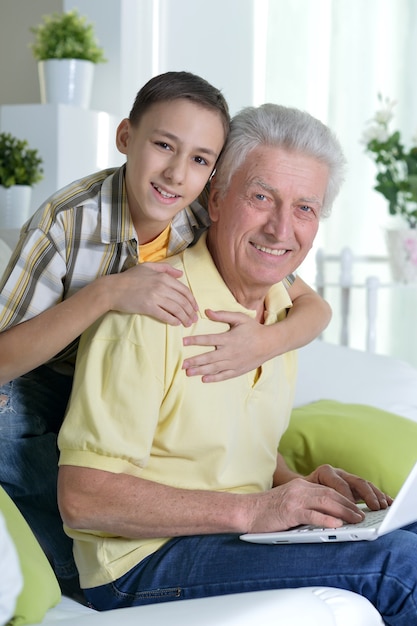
(68, 270)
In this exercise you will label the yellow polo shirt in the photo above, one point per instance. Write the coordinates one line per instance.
(134, 410)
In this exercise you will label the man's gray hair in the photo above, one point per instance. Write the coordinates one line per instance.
(287, 128)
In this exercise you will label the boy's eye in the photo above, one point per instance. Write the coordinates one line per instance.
(200, 160)
(163, 145)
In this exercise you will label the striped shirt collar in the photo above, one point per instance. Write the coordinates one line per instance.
(117, 224)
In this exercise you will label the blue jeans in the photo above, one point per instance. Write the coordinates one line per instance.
(384, 571)
(32, 408)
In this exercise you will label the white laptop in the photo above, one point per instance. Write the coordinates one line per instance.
(403, 511)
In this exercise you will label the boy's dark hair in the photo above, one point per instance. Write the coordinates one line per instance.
(176, 85)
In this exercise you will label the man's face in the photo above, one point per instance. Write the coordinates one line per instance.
(265, 224)
(170, 156)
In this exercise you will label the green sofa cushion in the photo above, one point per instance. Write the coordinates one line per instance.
(363, 440)
(40, 587)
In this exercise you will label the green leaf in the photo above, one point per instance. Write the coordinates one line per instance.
(19, 165)
(66, 36)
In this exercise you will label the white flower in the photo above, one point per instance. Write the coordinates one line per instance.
(385, 115)
(375, 132)
(395, 163)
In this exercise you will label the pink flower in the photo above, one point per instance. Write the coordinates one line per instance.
(411, 247)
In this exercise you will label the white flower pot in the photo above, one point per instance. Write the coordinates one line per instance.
(14, 206)
(402, 254)
(66, 81)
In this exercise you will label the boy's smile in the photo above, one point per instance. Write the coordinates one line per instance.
(170, 156)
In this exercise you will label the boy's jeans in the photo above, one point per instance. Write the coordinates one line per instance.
(32, 408)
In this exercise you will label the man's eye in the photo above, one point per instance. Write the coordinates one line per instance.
(308, 212)
(260, 196)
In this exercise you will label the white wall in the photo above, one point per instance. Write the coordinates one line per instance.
(214, 39)
(18, 72)
(140, 39)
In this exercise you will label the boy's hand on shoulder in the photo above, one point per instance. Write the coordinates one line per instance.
(236, 351)
(153, 289)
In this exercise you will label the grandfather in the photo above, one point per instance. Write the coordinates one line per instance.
(160, 473)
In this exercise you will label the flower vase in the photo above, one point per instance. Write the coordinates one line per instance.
(402, 254)
(14, 206)
(66, 81)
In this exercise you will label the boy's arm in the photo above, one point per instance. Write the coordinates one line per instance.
(248, 344)
(310, 314)
(149, 288)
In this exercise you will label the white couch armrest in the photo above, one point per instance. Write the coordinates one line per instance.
(315, 606)
(333, 372)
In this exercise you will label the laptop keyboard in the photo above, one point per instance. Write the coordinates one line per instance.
(372, 518)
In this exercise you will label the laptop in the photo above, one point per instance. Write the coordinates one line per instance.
(403, 511)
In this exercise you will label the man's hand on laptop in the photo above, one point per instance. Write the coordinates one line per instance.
(354, 487)
(297, 502)
(327, 498)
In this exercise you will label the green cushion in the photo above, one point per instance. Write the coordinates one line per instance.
(40, 589)
(363, 440)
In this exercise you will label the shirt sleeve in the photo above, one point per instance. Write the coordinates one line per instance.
(34, 279)
(109, 424)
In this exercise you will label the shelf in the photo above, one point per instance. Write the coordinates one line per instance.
(73, 142)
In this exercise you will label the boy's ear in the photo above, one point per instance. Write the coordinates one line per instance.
(122, 136)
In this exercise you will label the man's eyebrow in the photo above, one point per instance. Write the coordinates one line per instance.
(173, 137)
(313, 200)
(263, 185)
(266, 186)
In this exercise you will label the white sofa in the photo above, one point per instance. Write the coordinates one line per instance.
(325, 371)
(315, 606)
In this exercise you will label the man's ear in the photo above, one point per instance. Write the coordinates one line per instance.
(213, 201)
(122, 136)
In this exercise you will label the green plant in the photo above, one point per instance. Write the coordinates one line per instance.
(19, 165)
(396, 178)
(66, 36)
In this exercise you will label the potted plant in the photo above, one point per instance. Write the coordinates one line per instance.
(20, 169)
(66, 50)
(396, 180)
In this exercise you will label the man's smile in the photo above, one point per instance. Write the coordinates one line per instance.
(272, 251)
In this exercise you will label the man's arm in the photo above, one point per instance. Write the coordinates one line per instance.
(132, 507)
(150, 288)
(249, 344)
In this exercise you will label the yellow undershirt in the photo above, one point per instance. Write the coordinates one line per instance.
(155, 250)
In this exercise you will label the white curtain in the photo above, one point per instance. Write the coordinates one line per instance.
(332, 58)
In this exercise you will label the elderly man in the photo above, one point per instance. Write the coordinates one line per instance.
(160, 473)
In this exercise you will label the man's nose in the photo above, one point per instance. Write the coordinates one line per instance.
(280, 223)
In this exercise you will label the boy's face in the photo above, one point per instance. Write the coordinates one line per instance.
(170, 155)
